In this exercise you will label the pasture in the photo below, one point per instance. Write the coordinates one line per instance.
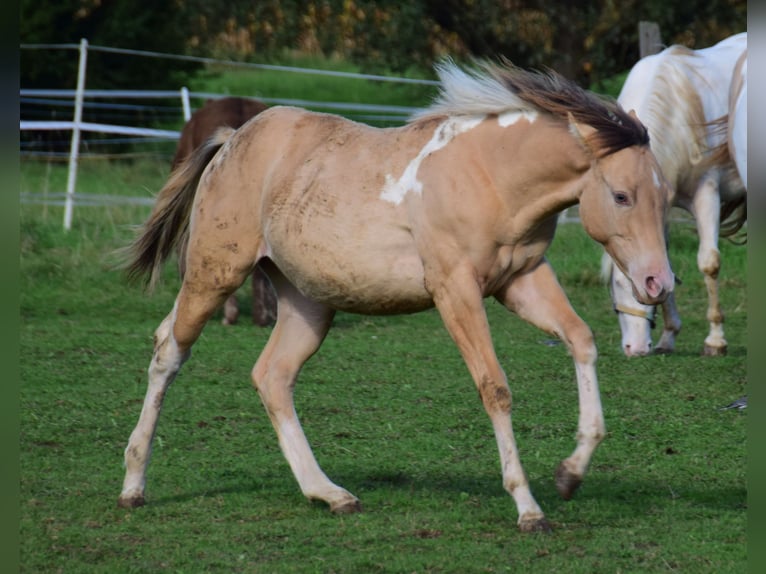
(391, 413)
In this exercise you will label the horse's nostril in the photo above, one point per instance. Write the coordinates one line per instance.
(653, 287)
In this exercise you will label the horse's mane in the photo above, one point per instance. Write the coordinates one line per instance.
(675, 116)
(498, 87)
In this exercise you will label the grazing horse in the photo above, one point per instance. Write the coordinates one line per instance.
(682, 96)
(457, 205)
(232, 112)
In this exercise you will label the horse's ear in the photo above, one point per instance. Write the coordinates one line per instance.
(581, 133)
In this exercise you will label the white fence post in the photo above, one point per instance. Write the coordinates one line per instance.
(185, 103)
(649, 39)
(74, 149)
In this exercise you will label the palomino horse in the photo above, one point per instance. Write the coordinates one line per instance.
(458, 205)
(232, 112)
(681, 96)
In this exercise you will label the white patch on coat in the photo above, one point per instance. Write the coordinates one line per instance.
(509, 118)
(655, 178)
(394, 190)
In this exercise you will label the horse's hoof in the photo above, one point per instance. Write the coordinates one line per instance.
(663, 351)
(535, 525)
(346, 507)
(566, 482)
(131, 501)
(710, 351)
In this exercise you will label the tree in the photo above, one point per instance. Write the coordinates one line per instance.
(154, 25)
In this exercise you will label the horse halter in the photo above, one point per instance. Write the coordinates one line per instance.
(648, 315)
(618, 308)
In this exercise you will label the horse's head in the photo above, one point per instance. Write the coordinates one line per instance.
(624, 206)
(636, 320)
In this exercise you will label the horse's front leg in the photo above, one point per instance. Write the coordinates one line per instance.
(538, 298)
(706, 208)
(460, 303)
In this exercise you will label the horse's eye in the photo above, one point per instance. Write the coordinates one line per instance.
(621, 198)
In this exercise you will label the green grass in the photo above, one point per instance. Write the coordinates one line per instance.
(300, 85)
(392, 415)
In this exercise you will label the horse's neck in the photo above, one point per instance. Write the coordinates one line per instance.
(547, 167)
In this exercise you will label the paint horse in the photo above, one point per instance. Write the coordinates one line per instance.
(682, 96)
(232, 112)
(457, 205)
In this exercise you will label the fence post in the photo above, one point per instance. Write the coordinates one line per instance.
(649, 40)
(74, 149)
(185, 103)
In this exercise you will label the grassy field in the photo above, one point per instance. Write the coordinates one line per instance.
(391, 413)
(387, 405)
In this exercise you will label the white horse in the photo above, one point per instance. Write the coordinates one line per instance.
(684, 98)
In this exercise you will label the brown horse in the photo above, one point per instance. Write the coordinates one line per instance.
(228, 112)
(458, 205)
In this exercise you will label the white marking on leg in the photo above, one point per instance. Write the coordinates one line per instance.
(394, 190)
(166, 362)
(590, 428)
(313, 482)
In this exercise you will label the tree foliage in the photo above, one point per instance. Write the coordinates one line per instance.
(157, 25)
(584, 41)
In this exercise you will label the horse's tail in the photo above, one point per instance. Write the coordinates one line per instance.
(168, 225)
(733, 219)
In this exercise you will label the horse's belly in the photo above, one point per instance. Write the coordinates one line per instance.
(380, 279)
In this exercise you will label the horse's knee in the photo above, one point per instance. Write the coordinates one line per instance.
(581, 343)
(495, 395)
(709, 262)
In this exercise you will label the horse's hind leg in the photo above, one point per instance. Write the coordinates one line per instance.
(264, 307)
(166, 362)
(173, 340)
(230, 310)
(301, 327)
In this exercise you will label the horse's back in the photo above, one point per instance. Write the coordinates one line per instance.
(679, 94)
(703, 69)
